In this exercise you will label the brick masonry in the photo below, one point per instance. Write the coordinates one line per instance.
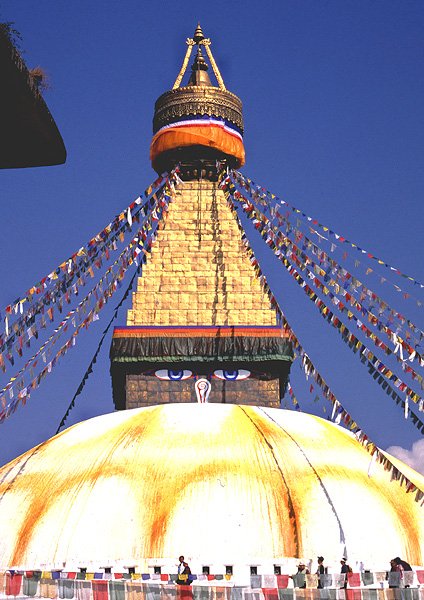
(198, 272)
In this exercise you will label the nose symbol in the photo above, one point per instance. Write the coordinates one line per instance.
(203, 388)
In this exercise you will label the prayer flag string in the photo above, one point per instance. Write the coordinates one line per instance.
(376, 367)
(345, 279)
(275, 237)
(339, 413)
(293, 398)
(81, 308)
(140, 244)
(94, 359)
(23, 328)
(347, 283)
(69, 276)
(335, 236)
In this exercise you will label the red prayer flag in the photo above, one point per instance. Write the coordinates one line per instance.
(184, 592)
(100, 589)
(282, 581)
(270, 593)
(354, 579)
(355, 594)
(13, 584)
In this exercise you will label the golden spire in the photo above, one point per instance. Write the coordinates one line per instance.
(198, 40)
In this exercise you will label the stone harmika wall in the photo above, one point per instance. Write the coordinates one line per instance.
(141, 390)
(198, 272)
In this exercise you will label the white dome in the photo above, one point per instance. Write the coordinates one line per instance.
(229, 483)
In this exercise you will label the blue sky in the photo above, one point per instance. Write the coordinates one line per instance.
(334, 123)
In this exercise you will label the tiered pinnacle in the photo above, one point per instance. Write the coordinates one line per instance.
(198, 272)
(196, 125)
(200, 318)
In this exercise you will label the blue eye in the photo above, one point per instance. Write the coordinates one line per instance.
(235, 375)
(173, 375)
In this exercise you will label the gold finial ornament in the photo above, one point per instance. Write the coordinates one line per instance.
(198, 121)
(199, 40)
(198, 34)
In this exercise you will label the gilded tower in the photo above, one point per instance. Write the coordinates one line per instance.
(199, 310)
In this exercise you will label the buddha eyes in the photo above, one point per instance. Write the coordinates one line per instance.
(169, 375)
(232, 375)
(173, 375)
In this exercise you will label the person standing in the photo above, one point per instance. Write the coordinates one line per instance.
(320, 571)
(180, 570)
(394, 575)
(299, 579)
(345, 570)
(403, 567)
(184, 572)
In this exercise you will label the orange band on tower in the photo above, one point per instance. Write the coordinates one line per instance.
(194, 135)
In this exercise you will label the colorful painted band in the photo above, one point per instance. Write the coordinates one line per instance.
(206, 134)
(200, 331)
(206, 120)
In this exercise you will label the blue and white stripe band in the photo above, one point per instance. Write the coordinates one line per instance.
(229, 128)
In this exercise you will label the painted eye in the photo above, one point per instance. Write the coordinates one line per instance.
(173, 375)
(232, 375)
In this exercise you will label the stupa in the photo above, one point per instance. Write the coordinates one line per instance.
(199, 459)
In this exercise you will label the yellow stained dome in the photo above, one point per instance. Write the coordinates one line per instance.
(222, 482)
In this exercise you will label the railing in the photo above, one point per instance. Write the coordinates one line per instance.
(119, 586)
